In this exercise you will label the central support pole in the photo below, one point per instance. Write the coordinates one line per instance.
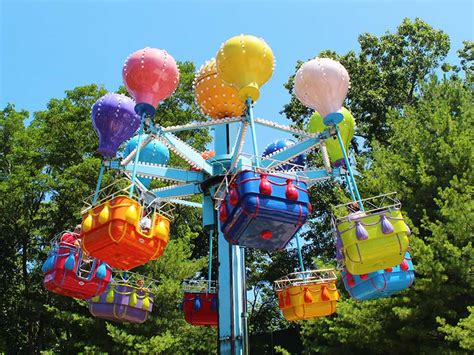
(231, 272)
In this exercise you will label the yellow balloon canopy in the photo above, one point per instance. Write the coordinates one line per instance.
(346, 129)
(215, 98)
(246, 63)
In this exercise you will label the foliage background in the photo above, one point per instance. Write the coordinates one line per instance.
(415, 129)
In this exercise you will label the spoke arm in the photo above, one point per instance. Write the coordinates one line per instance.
(176, 191)
(289, 153)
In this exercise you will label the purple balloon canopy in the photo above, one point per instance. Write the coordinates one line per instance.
(114, 119)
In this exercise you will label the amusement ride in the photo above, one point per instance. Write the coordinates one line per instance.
(247, 200)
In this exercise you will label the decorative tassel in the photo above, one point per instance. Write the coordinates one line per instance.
(364, 277)
(162, 229)
(197, 303)
(408, 230)
(339, 248)
(325, 295)
(404, 266)
(390, 269)
(146, 303)
(288, 299)
(214, 304)
(361, 232)
(70, 262)
(350, 280)
(387, 227)
(87, 223)
(234, 195)
(223, 214)
(266, 234)
(308, 297)
(131, 215)
(265, 186)
(291, 191)
(281, 300)
(110, 296)
(95, 299)
(48, 264)
(133, 299)
(101, 271)
(104, 214)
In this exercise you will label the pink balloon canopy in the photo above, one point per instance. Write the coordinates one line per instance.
(322, 84)
(150, 75)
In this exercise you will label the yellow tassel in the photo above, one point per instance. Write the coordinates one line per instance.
(131, 215)
(104, 214)
(133, 299)
(110, 296)
(146, 303)
(95, 299)
(162, 228)
(87, 223)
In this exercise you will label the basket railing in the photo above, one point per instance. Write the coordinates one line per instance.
(372, 205)
(309, 277)
(200, 286)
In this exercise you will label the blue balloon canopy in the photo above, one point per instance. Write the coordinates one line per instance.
(295, 163)
(114, 119)
(154, 153)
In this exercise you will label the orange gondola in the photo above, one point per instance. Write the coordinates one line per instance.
(111, 232)
(307, 295)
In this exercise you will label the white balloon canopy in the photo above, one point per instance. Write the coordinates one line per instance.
(322, 84)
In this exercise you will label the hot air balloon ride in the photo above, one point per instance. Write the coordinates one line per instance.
(262, 200)
(380, 283)
(346, 128)
(154, 153)
(214, 97)
(150, 75)
(308, 294)
(128, 298)
(115, 121)
(322, 84)
(68, 271)
(246, 63)
(112, 227)
(200, 302)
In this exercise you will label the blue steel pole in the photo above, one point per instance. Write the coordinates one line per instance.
(350, 188)
(209, 266)
(135, 162)
(99, 183)
(252, 129)
(232, 339)
(349, 169)
(300, 257)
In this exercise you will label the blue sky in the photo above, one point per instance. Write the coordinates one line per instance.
(50, 46)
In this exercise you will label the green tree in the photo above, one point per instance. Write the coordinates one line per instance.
(48, 168)
(385, 74)
(428, 161)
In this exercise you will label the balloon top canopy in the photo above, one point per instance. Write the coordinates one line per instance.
(150, 75)
(245, 62)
